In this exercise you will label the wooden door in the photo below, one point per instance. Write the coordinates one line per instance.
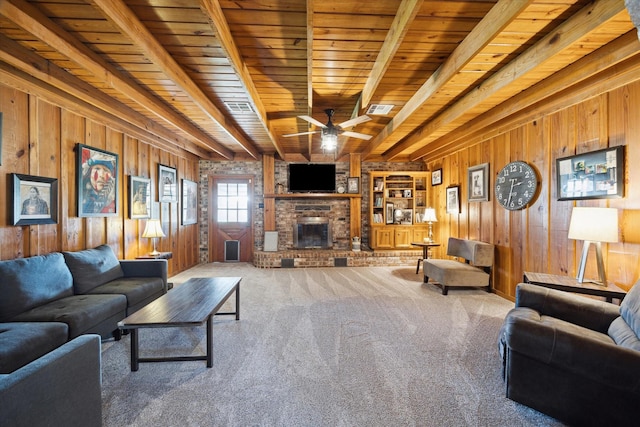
(230, 217)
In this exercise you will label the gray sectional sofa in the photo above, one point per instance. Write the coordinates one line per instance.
(53, 311)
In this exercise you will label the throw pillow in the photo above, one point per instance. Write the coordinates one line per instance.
(91, 268)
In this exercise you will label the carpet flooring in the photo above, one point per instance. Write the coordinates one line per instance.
(323, 347)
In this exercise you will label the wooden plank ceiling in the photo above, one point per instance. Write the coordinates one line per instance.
(229, 78)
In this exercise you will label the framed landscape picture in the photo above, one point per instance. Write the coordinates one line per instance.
(97, 178)
(35, 200)
(139, 197)
(167, 184)
(189, 202)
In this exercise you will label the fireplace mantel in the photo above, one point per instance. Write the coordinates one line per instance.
(313, 196)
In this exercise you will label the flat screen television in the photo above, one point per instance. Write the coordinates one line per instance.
(312, 177)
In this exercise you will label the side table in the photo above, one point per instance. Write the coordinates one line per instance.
(571, 284)
(425, 251)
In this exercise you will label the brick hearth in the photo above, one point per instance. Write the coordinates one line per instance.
(334, 258)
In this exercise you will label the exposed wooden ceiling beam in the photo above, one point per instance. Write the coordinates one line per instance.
(31, 20)
(126, 20)
(407, 12)
(220, 26)
(584, 21)
(521, 108)
(147, 130)
(494, 21)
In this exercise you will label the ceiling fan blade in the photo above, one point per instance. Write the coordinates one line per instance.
(356, 135)
(300, 133)
(314, 121)
(355, 121)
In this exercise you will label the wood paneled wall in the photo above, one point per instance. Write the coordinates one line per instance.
(39, 139)
(535, 238)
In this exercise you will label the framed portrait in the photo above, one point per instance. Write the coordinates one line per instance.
(35, 200)
(478, 183)
(189, 202)
(453, 199)
(594, 175)
(97, 177)
(436, 177)
(167, 184)
(388, 213)
(139, 197)
(353, 185)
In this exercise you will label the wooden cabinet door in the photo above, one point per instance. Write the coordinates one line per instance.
(383, 238)
(402, 237)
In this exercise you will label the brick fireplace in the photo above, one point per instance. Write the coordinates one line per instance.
(312, 232)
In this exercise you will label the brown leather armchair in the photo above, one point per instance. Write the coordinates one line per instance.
(572, 357)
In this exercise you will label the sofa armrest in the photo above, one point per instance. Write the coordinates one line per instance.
(580, 310)
(146, 268)
(61, 388)
(572, 348)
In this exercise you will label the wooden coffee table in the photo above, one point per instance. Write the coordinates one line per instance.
(194, 302)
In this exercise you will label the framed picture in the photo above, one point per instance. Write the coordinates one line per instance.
(594, 175)
(407, 217)
(97, 176)
(388, 214)
(436, 177)
(353, 185)
(167, 184)
(478, 183)
(453, 199)
(189, 202)
(139, 197)
(35, 200)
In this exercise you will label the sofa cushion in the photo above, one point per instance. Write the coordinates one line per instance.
(22, 343)
(136, 289)
(630, 309)
(623, 335)
(92, 267)
(26, 283)
(80, 312)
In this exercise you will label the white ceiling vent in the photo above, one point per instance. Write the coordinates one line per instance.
(239, 107)
(379, 109)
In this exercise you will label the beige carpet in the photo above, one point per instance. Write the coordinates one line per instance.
(324, 347)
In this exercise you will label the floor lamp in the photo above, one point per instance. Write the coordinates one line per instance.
(152, 231)
(593, 226)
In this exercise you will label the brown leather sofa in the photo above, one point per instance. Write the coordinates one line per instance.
(573, 357)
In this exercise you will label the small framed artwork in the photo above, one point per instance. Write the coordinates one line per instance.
(139, 197)
(97, 176)
(407, 217)
(436, 177)
(189, 202)
(478, 183)
(35, 200)
(167, 184)
(453, 199)
(353, 185)
(388, 213)
(594, 175)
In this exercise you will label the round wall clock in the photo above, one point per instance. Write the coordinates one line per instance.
(516, 185)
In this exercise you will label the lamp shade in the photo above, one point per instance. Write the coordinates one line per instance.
(594, 224)
(153, 229)
(429, 215)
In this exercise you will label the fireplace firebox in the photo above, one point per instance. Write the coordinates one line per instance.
(312, 233)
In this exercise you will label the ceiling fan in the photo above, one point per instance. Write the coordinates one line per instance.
(330, 131)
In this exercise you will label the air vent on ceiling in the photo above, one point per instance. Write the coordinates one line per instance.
(239, 107)
(379, 109)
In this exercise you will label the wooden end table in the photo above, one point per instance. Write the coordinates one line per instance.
(425, 251)
(571, 284)
(194, 302)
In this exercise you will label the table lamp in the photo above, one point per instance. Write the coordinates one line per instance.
(152, 231)
(594, 226)
(430, 217)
